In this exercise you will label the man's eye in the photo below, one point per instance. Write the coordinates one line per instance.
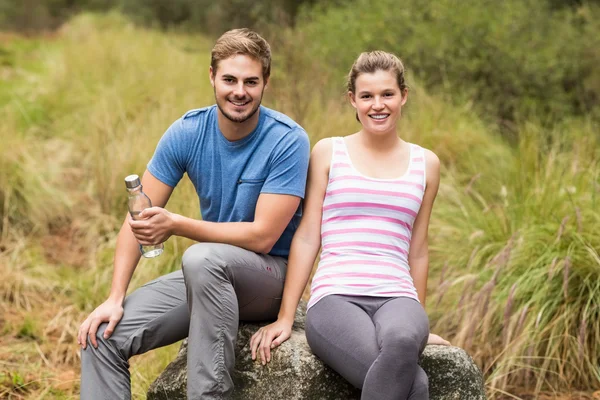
(228, 80)
(365, 96)
(252, 83)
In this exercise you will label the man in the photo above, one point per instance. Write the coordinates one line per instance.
(248, 164)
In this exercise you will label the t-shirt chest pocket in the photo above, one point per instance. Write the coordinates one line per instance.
(248, 190)
(251, 181)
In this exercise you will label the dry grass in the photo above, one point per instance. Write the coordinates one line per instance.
(514, 246)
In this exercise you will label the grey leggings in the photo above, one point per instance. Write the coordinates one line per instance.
(373, 342)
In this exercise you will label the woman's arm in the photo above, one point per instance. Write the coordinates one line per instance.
(418, 257)
(305, 247)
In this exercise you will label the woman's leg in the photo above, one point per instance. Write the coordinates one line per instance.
(402, 328)
(420, 386)
(341, 333)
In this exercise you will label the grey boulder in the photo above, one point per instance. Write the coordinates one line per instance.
(294, 373)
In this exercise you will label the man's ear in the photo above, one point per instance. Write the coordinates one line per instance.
(211, 74)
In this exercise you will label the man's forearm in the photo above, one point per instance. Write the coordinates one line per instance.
(127, 256)
(248, 235)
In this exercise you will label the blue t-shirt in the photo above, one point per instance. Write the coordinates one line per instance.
(229, 176)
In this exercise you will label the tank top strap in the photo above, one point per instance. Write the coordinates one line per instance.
(417, 163)
(340, 160)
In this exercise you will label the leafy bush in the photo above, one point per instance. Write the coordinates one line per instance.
(512, 58)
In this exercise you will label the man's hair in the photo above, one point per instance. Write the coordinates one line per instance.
(368, 63)
(242, 41)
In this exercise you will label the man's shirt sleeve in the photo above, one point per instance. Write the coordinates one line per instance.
(289, 167)
(168, 164)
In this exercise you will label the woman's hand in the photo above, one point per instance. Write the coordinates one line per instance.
(435, 339)
(268, 337)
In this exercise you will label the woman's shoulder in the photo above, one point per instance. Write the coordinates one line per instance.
(432, 167)
(323, 147)
(431, 159)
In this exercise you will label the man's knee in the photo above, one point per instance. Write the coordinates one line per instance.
(203, 262)
(107, 348)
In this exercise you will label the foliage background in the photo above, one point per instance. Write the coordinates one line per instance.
(506, 93)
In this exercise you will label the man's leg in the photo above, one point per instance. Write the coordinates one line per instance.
(155, 315)
(402, 329)
(224, 284)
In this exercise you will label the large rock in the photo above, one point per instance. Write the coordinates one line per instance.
(294, 373)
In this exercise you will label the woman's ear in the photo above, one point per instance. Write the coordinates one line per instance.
(352, 99)
(404, 96)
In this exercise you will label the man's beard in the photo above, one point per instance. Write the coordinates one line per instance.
(242, 118)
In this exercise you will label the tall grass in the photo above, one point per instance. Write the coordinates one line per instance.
(519, 287)
(514, 246)
(90, 115)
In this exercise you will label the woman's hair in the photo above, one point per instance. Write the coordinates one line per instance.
(242, 41)
(373, 61)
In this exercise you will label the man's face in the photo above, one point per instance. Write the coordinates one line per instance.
(238, 83)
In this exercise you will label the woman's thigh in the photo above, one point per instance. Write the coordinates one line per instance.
(342, 334)
(401, 321)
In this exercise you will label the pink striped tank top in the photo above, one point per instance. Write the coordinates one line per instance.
(366, 229)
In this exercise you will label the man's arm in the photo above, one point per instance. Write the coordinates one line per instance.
(275, 207)
(273, 213)
(127, 256)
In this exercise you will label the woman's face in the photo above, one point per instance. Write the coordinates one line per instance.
(378, 101)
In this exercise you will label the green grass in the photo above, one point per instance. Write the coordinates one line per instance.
(514, 244)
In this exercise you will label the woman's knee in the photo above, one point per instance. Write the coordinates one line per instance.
(401, 343)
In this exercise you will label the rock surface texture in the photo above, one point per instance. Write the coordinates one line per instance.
(294, 373)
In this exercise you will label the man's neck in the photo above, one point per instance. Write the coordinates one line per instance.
(234, 131)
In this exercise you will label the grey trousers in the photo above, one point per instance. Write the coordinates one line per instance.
(218, 286)
(373, 342)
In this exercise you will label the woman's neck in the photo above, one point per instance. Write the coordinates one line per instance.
(379, 142)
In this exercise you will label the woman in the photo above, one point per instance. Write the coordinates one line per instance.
(368, 203)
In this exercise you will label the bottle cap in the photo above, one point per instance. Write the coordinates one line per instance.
(132, 181)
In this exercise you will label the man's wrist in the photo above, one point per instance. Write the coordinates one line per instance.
(176, 222)
(116, 298)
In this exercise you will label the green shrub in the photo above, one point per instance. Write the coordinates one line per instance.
(511, 58)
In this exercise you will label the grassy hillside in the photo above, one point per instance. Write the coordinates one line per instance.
(514, 240)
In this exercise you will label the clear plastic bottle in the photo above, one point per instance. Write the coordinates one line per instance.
(138, 201)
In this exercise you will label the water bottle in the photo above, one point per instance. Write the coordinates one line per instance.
(138, 201)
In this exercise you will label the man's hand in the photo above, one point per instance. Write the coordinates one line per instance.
(153, 226)
(435, 339)
(268, 337)
(109, 311)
